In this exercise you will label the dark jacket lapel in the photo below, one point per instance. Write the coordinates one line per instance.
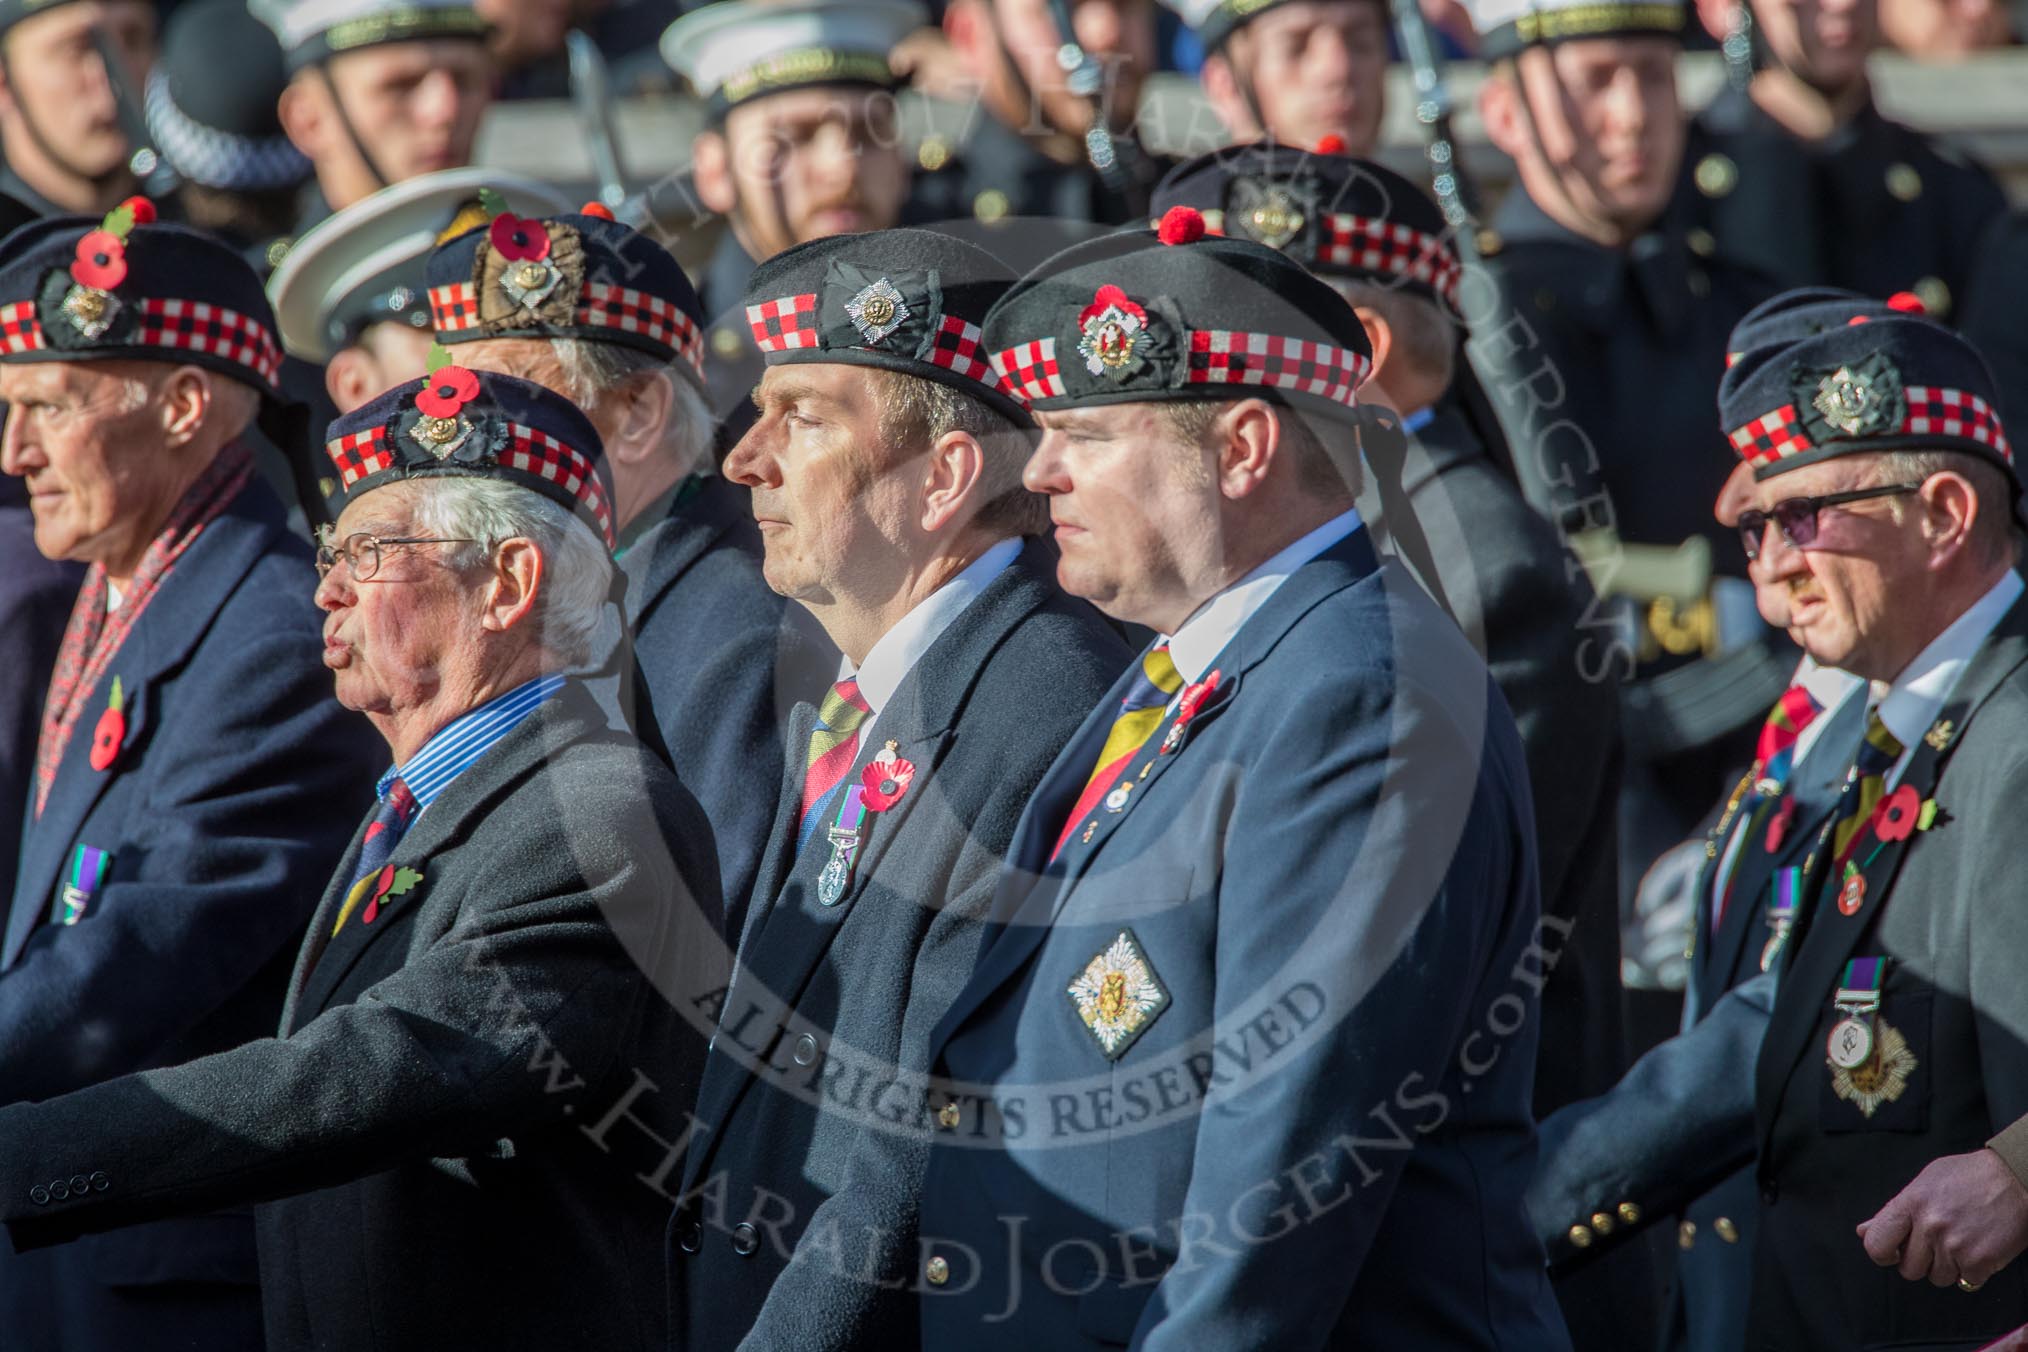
(1016, 937)
(568, 716)
(175, 622)
(1832, 935)
(787, 942)
(660, 558)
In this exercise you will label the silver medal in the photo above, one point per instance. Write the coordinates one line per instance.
(1851, 1043)
(1117, 799)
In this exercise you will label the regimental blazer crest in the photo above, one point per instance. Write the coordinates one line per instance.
(1118, 996)
(1881, 1078)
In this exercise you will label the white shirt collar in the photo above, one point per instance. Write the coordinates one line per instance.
(1830, 687)
(901, 647)
(1912, 703)
(1199, 640)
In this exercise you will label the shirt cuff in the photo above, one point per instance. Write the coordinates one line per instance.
(2011, 1145)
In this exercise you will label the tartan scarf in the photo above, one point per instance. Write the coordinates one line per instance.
(93, 637)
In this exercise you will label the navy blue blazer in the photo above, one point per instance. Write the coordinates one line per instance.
(231, 798)
(725, 660)
(845, 996)
(1323, 904)
(35, 600)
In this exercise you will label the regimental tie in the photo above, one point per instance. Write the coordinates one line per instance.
(834, 745)
(1141, 712)
(383, 833)
(1876, 757)
(1774, 758)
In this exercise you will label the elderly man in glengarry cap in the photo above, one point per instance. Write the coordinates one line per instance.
(431, 1132)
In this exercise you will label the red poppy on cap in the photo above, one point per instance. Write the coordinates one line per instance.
(518, 240)
(449, 389)
(101, 261)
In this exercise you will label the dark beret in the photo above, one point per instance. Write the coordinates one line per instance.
(904, 300)
(1891, 383)
(476, 424)
(1133, 318)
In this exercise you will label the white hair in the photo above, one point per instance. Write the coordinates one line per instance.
(576, 567)
(592, 369)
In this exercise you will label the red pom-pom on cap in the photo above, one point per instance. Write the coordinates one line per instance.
(1907, 302)
(1333, 144)
(1181, 225)
(596, 210)
(143, 209)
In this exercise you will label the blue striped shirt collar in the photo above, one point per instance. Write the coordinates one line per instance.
(453, 748)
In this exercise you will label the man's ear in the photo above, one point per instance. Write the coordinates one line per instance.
(643, 424)
(711, 167)
(186, 404)
(1499, 109)
(517, 580)
(1379, 335)
(1951, 508)
(1250, 439)
(955, 466)
(1221, 88)
(305, 115)
(351, 378)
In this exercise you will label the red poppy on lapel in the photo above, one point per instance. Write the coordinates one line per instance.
(1895, 818)
(110, 732)
(1194, 698)
(885, 779)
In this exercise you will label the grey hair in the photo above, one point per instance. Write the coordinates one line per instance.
(591, 370)
(577, 569)
(1993, 534)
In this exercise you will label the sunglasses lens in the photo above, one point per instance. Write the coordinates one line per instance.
(1798, 520)
(1752, 525)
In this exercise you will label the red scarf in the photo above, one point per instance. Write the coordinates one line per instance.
(93, 637)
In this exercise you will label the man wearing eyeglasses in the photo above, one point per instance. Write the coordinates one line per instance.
(500, 961)
(194, 784)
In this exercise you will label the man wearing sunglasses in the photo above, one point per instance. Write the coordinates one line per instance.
(1884, 494)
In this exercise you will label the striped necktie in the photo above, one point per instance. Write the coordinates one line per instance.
(1877, 755)
(1141, 712)
(383, 833)
(834, 745)
(1773, 759)
(1794, 711)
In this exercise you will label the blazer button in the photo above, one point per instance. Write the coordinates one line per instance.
(1581, 1236)
(938, 1270)
(1630, 1213)
(59, 1190)
(39, 1195)
(1686, 1235)
(949, 1116)
(1602, 1222)
(100, 1182)
(745, 1239)
(806, 1050)
(1770, 1192)
(689, 1236)
(80, 1185)
(1727, 1231)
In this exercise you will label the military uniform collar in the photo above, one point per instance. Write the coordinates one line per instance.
(1594, 278)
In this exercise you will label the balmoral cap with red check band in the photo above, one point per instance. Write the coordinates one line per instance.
(476, 424)
(1128, 318)
(566, 276)
(71, 291)
(1892, 383)
(1336, 215)
(1808, 311)
(909, 301)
